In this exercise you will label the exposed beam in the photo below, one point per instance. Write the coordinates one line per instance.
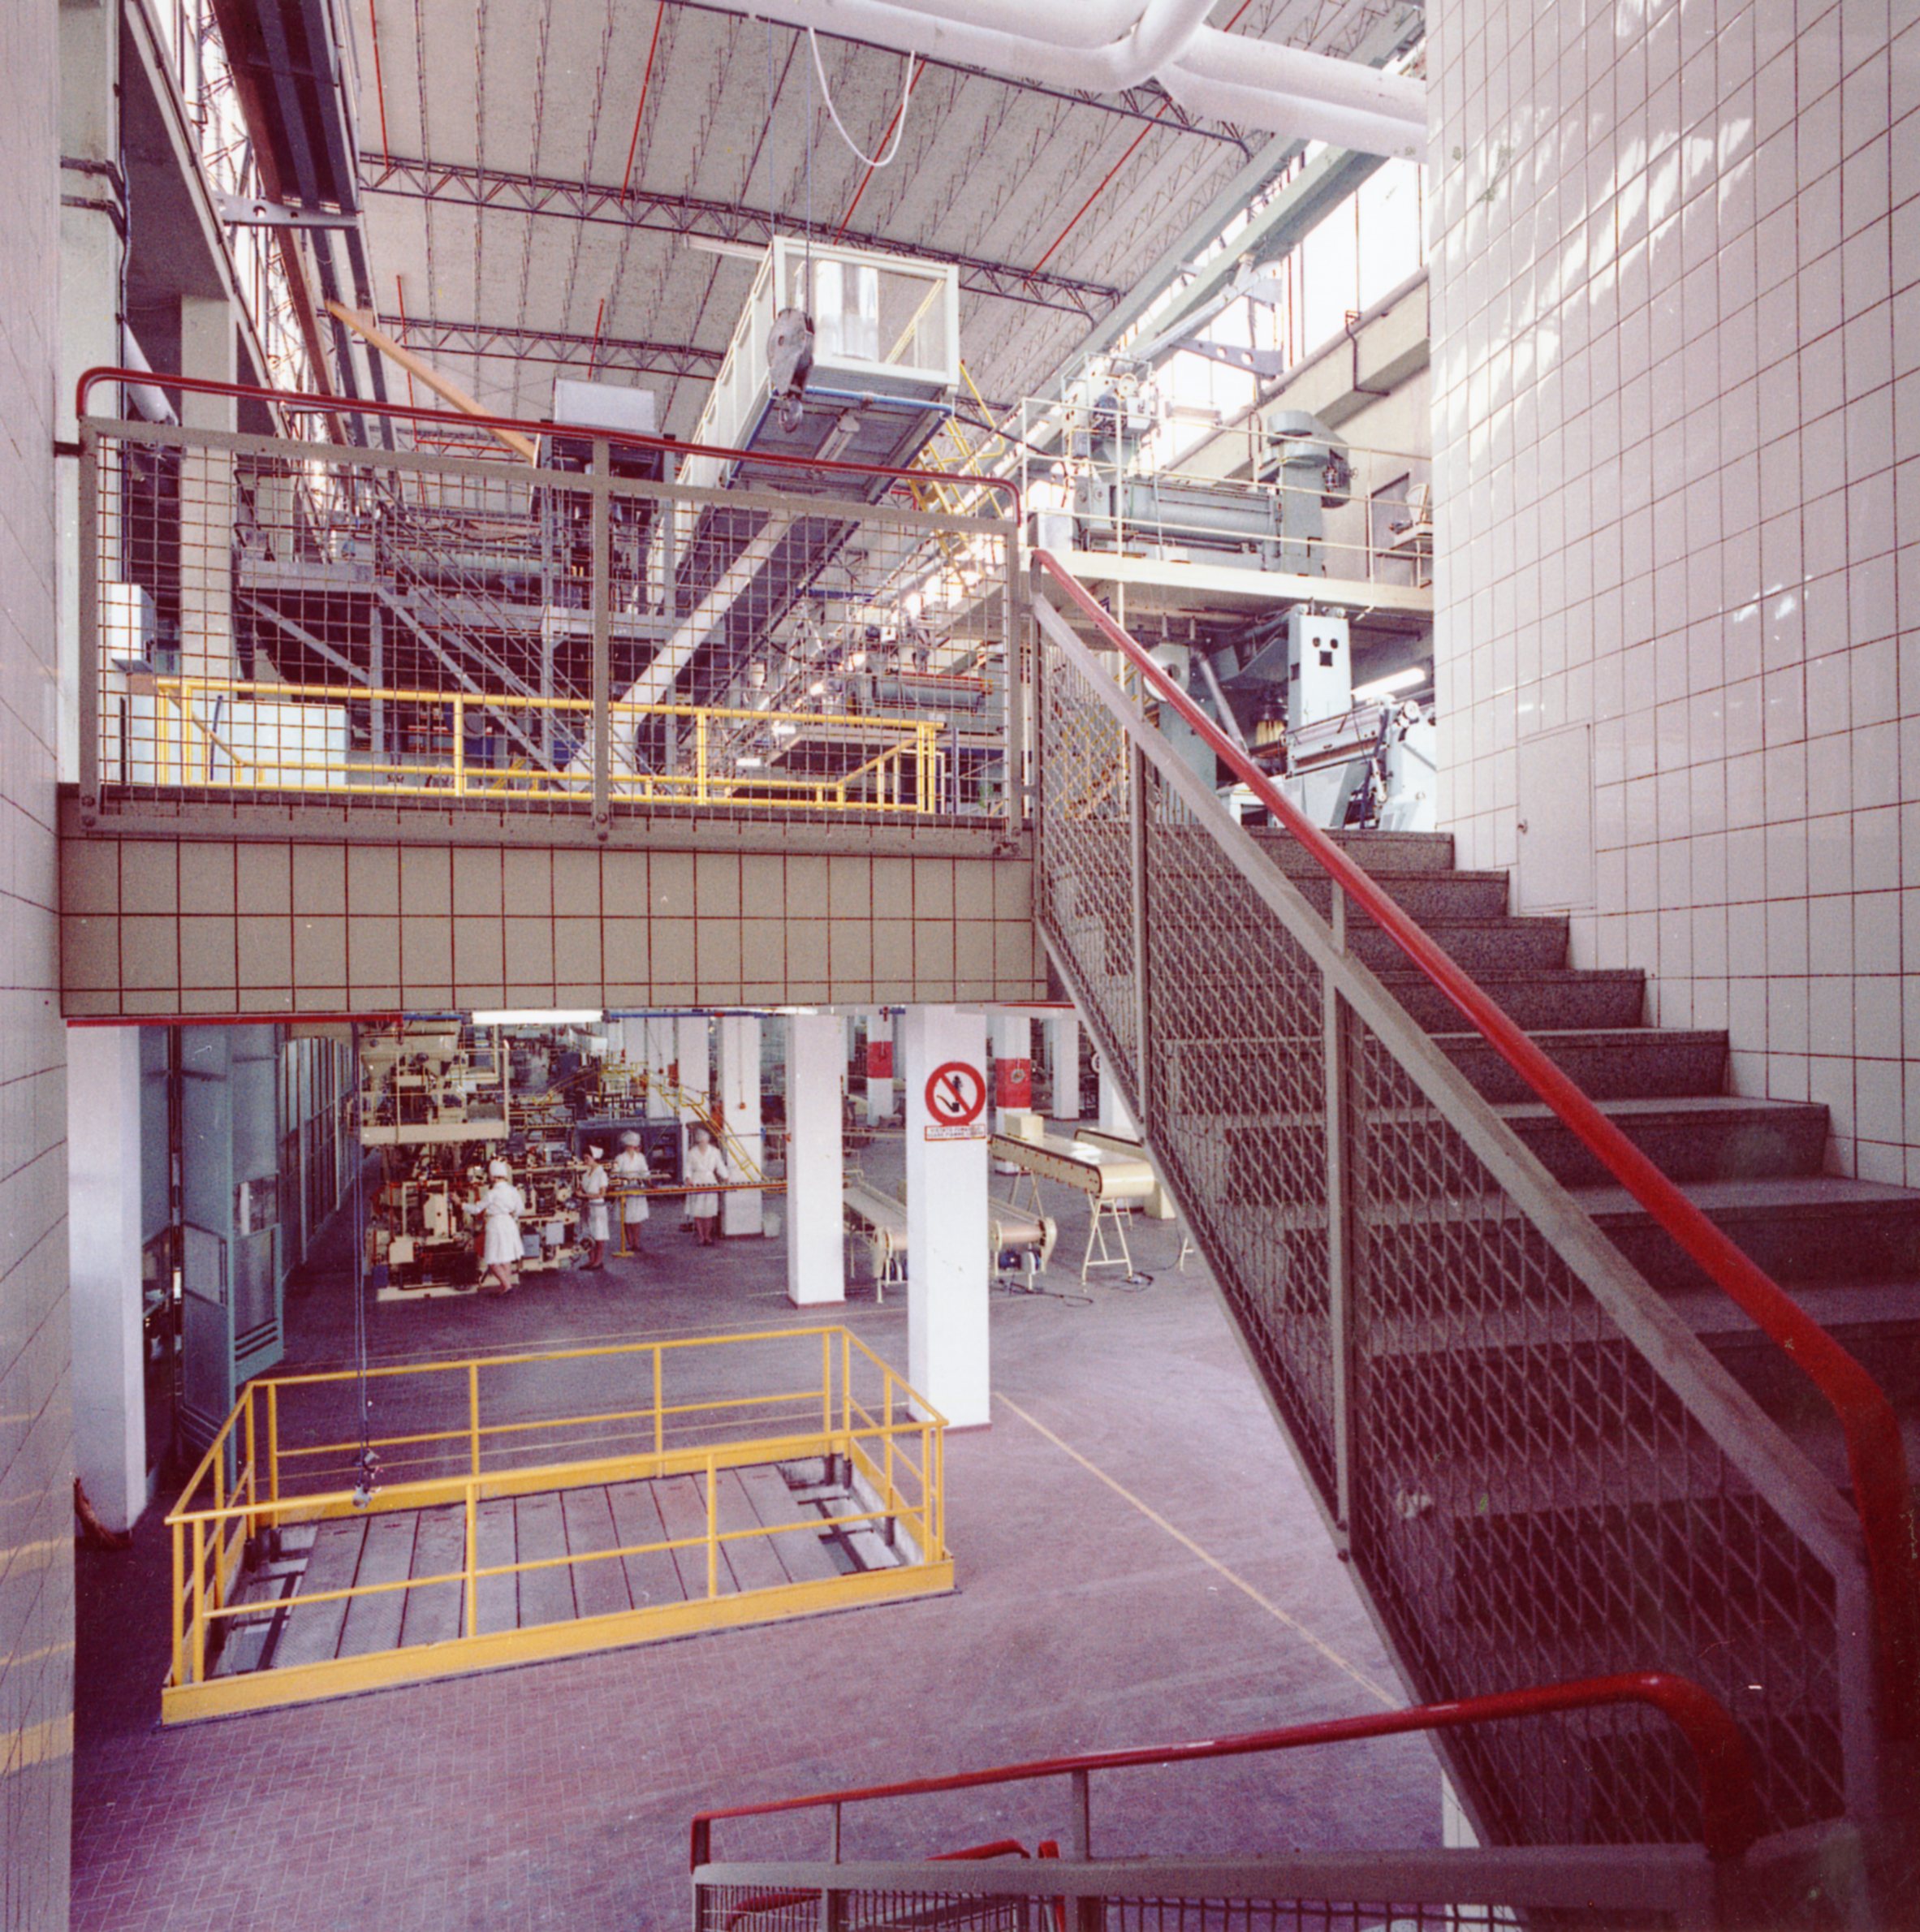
(464, 185)
(433, 335)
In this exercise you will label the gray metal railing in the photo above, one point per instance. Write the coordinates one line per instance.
(263, 615)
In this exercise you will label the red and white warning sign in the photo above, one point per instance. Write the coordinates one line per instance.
(956, 1099)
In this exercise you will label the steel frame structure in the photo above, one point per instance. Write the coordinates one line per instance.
(463, 185)
(506, 342)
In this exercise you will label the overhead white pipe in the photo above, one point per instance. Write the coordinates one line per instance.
(1253, 82)
(1158, 33)
(1257, 83)
(1297, 114)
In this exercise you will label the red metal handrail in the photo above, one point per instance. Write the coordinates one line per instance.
(1729, 1811)
(306, 403)
(1876, 1455)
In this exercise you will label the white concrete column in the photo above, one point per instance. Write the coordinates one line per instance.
(91, 254)
(207, 349)
(659, 1050)
(1062, 1048)
(879, 1089)
(1013, 1040)
(738, 1091)
(947, 1274)
(816, 1253)
(103, 1182)
(1114, 1116)
(692, 1071)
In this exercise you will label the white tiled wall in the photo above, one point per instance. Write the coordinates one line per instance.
(35, 1460)
(1676, 263)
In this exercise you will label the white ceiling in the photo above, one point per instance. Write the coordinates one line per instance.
(550, 88)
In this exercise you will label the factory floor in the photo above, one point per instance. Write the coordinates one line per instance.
(1137, 1558)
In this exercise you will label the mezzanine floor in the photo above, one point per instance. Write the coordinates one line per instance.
(1136, 1558)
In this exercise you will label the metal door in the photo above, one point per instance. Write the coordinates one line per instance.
(206, 1337)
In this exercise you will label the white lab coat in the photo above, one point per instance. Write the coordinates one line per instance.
(593, 1187)
(503, 1203)
(630, 1168)
(705, 1165)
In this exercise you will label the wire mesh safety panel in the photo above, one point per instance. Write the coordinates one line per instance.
(448, 627)
(741, 1908)
(1527, 1496)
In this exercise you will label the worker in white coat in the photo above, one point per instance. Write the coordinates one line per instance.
(501, 1205)
(593, 1184)
(630, 1169)
(706, 1166)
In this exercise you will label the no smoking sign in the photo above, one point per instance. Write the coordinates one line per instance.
(956, 1099)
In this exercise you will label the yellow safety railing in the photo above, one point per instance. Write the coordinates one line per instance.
(260, 1475)
(292, 737)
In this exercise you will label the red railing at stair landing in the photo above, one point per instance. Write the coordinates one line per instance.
(302, 403)
(1876, 1455)
(1729, 1809)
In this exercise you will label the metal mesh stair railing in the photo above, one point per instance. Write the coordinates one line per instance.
(1538, 1471)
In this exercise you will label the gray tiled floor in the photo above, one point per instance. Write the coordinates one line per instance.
(1205, 1599)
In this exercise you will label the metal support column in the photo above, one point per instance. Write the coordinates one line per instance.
(1013, 632)
(1145, 1114)
(602, 596)
(1340, 1242)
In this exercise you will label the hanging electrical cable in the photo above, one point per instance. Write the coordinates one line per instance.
(900, 123)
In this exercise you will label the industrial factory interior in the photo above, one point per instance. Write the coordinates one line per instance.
(955, 969)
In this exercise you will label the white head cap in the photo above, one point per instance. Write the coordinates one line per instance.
(629, 1139)
(500, 1170)
(595, 1153)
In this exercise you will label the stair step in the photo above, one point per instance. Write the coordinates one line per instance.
(1382, 852)
(1877, 1323)
(1689, 1137)
(1424, 895)
(1565, 998)
(1813, 1228)
(1610, 1063)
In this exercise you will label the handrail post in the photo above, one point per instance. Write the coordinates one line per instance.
(253, 1462)
(1137, 841)
(273, 1441)
(1339, 1127)
(700, 790)
(659, 1414)
(827, 1382)
(473, 1414)
(846, 1382)
(472, 1559)
(713, 1531)
(602, 599)
(180, 1600)
(459, 745)
(889, 1501)
(199, 1600)
(90, 664)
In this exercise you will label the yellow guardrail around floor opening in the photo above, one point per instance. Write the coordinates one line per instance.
(491, 1427)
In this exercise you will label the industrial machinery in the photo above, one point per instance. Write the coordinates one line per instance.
(1284, 689)
(1275, 522)
(1350, 749)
